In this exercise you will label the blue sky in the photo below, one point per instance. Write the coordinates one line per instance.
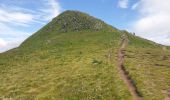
(21, 18)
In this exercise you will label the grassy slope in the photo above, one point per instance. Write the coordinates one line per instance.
(149, 66)
(71, 66)
(82, 65)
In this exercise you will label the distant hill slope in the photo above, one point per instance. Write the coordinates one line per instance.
(74, 57)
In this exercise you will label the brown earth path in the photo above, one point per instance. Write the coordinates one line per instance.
(167, 96)
(124, 74)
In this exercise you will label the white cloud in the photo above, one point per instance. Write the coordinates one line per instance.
(52, 9)
(2, 43)
(154, 20)
(10, 38)
(7, 31)
(134, 6)
(123, 3)
(25, 17)
(6, 44)
(13, 16)
(7, 15)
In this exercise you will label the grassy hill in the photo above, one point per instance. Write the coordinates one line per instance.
(74, 57)
(149, 67)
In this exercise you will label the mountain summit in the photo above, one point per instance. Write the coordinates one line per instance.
(68, 21)
(76, 21)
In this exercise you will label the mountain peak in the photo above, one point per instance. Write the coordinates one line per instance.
(75, 21)
(68, 21)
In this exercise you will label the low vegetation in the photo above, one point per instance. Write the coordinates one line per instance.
(149, 67)
(74, 57)
(72, 66)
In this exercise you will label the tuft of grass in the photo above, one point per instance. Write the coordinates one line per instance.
(96, 62)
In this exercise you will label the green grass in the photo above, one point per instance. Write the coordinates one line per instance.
(65, 69)
(150, 69)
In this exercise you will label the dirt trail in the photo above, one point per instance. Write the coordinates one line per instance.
(167, 97)
(124, 74)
